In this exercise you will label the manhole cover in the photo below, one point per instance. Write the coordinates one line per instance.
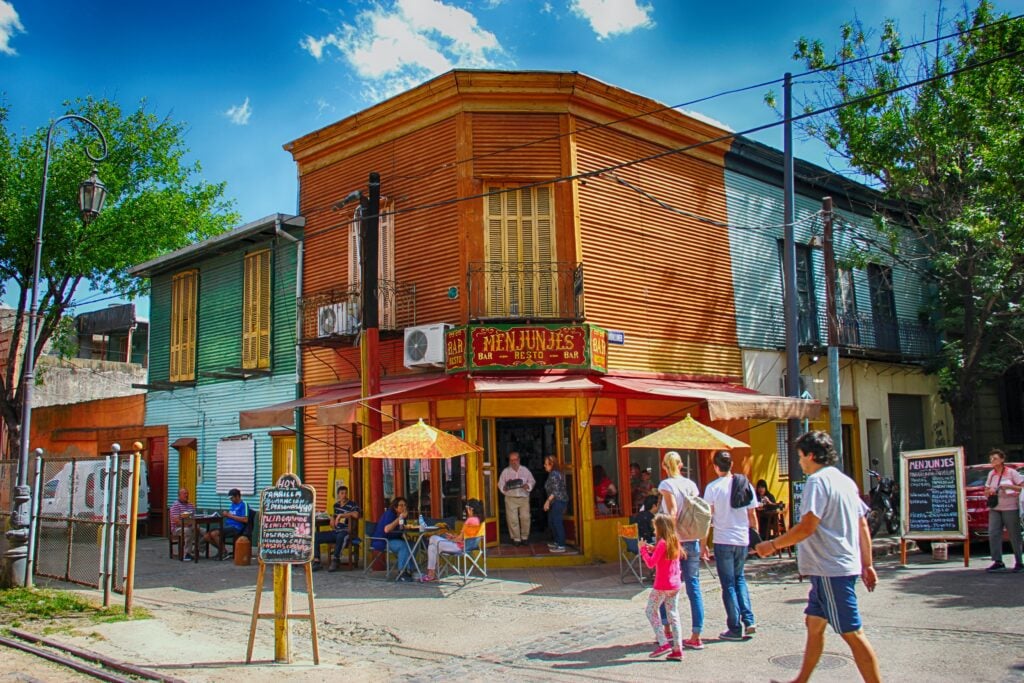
(793, 662)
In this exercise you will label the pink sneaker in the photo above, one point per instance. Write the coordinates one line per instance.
(675, 656)
(693, 644)
(660, 650)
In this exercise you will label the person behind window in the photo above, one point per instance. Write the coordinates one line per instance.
(604, 491)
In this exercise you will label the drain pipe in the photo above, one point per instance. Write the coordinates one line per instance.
(300, 251)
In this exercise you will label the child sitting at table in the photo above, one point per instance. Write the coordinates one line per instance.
(645, 518)
(454, 543)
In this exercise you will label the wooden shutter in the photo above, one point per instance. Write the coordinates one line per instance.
(354, 272)
(256, 310)
(183, 326)
(386, 266)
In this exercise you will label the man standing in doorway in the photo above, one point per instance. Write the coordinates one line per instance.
(515, 483)
(835, 547)
(732, 539)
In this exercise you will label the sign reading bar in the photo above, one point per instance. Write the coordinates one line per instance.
(932, 504)
(526, 347)
(286, 522)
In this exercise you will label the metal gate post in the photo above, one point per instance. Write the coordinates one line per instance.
(105, 529)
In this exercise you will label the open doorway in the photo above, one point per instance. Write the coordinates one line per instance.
(532, 439)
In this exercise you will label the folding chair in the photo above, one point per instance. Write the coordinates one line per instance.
(630, 561)
(472, 558)
(374, 549)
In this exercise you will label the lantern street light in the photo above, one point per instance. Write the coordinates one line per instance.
(91, 195)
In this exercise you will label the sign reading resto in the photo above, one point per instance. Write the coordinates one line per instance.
(526, 347)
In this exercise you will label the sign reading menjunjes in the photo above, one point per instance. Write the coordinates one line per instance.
(526, 347)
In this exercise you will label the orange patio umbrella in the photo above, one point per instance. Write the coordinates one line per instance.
(688, 434)
(417, 442)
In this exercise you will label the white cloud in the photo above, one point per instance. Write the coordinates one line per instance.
(397, 45)
(611, 17)
(546, 8)
(239, 114)
(10, 25)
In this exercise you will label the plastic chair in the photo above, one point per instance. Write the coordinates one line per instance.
(374, 549)
(464, 563)
(630, 561)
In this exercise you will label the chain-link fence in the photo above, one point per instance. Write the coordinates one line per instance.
(81, 522)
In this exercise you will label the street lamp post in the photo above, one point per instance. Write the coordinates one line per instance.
(91, 195)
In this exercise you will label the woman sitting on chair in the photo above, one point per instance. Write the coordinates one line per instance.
(767, 510)
(454, 543)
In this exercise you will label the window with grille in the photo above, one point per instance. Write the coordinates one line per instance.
(256, 311)
(782, 448)
(519, 248)
(184, 291)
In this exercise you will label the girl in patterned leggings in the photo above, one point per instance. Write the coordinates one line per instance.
(664, 557)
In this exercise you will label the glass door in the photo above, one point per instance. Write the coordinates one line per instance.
(567, 457)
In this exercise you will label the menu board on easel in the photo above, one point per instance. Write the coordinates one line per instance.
(932, 501)
(286, 522)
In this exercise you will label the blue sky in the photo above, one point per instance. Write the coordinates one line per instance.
(250, 76)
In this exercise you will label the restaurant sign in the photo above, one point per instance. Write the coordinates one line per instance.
(526, 347)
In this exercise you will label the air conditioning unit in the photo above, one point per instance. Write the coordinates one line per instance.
(425, 346)
(337, 319)
(806, 386)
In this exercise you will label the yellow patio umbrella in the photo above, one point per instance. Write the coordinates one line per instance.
(687, 434)
(417, 442)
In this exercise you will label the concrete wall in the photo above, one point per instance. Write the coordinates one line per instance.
(62, 381)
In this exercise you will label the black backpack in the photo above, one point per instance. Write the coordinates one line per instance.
(741, 495)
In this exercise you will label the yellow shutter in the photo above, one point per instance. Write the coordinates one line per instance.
(183, 326)
(256, 310)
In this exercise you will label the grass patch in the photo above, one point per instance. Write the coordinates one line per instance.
(20, 605)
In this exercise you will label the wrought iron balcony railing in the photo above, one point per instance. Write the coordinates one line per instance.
(525, 290)
(337, 313)
(862, 334)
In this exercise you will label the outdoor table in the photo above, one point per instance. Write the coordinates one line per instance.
(207, 521)
(413, 537)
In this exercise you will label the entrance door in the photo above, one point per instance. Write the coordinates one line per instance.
(283, 456)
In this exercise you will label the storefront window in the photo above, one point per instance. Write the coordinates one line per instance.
(604, 449)
(417, 485)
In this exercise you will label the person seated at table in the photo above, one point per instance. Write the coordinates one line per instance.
(645, 518)
(451, 542)
(235, 519)
(390, 536)
(183, 508)
(767, 508)
(344, 510)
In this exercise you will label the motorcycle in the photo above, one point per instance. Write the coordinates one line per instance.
(882, 501)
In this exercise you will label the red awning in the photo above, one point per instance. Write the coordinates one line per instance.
(535, 383)
(342, 412)
(725, 401)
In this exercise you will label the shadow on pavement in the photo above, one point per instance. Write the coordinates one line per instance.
(968, 588)
(596, 658)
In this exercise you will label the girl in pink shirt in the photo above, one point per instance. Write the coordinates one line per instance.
(664, 557)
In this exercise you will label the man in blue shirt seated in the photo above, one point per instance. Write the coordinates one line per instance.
(344, 510)
(235, 519)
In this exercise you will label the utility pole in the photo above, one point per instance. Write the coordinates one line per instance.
(835, 417)
(789, 295)
(369, 348)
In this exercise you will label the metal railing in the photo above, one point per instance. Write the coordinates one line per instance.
(862, 334)
(338, 312)
(525, 290)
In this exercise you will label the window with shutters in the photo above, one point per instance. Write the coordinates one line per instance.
(387, 286)
(256, 311)
(184, 290)
(519, 250)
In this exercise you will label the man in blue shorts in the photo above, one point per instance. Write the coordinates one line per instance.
(835, 548)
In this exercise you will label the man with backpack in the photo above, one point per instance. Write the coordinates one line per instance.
(680, 498)
(733, 512)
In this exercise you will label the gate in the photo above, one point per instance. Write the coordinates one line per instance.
(81, 520)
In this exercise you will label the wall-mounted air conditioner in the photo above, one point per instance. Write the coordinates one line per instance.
(337, 319)
(424, 346)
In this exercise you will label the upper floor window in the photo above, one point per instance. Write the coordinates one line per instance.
(519, 250)
(184, 293)
(256, 311)
(808, 311)
(883, 307)
(386, 286)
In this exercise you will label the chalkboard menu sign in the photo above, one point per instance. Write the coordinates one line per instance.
(286, 522)
(932, 504)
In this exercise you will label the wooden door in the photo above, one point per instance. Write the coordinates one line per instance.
(187, 471)
(157, 464)
(284, 456)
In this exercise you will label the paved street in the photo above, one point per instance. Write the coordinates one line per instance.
(930, 621)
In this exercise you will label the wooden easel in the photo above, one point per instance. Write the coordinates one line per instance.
(282, 612)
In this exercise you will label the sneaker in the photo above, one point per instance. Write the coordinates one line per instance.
(750, 630)
(552, 545)
(731, 635)
(405, 577)
(995, 567)
(660, 650)
(557, 549)
(693, 644)
(675, 656)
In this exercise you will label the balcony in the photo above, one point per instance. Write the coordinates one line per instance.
(333, 316)
(863, 335)
(523, 291)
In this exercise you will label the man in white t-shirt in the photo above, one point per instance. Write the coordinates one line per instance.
(835, 548)
(732, 539)
(515, 483)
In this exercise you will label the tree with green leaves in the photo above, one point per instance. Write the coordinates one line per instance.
(948, 151)
(156, 203)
